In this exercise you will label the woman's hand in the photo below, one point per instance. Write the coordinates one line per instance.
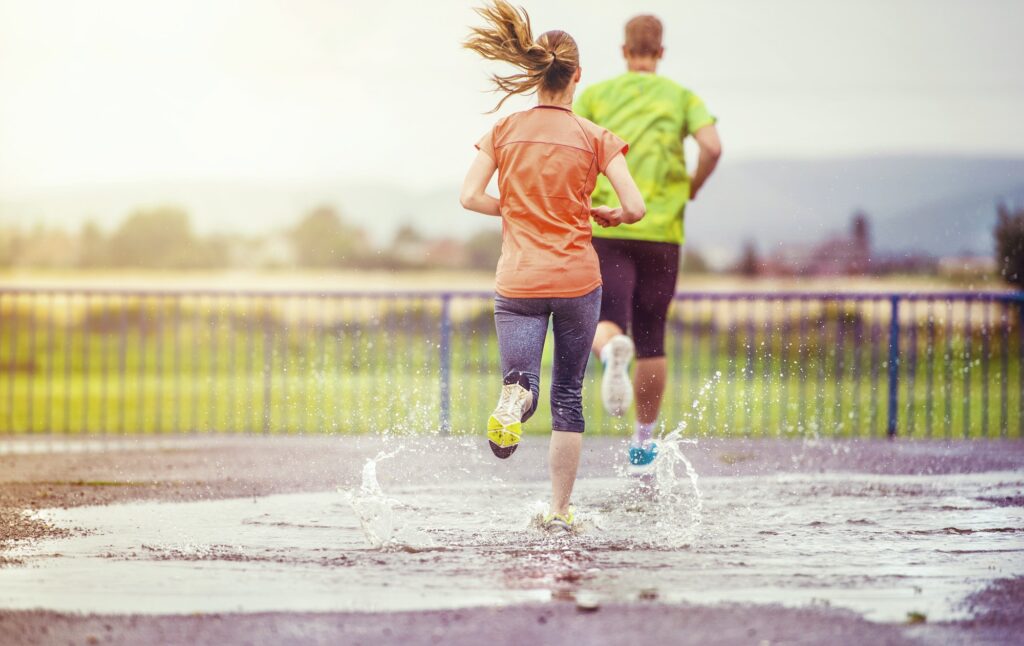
(607, 216)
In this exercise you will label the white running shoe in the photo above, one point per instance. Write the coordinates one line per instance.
(616, 388)
(505, 425)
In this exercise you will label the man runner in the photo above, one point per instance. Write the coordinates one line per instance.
(640, 262)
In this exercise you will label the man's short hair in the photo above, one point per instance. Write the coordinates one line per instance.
(643, 36)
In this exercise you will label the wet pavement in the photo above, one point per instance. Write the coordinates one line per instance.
(887, 531)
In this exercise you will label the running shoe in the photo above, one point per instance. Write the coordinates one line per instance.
(505, 425)
(643, 455)
(560, 523)
(616, 389)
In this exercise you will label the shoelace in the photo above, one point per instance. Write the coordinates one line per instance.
(510, 403)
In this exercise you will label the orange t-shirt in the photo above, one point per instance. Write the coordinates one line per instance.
(548, 159)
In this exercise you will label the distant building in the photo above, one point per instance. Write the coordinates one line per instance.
(966, 267)
(445, 253)
(908, 262)
(840, 255)
(261, 253)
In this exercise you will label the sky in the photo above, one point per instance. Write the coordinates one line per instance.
(120, 91)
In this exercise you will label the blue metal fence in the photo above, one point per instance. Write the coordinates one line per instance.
(750, 364)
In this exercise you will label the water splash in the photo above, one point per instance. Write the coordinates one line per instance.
(376, 512)
(666, 483)
(667, 500)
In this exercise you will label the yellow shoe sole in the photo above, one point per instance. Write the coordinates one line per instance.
(504, 440)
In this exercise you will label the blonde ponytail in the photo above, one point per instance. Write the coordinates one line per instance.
(548, 64)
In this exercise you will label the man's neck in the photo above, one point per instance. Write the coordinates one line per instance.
(642, 64)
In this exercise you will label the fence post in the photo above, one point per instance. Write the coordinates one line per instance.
(445, 349)
(268, 377)
(894, 370)
(1020, 365)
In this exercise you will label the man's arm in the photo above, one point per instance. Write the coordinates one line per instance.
(710, 151)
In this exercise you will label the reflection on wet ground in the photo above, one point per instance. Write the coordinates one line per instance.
(881, 545)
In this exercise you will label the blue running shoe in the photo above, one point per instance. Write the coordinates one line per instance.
(641, 456)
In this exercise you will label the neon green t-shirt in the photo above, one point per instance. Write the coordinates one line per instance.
(653, 114)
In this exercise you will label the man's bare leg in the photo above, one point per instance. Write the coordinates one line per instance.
(649, 387)
(605, 331)
(615, 350)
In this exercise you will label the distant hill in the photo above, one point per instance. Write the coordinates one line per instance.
(933, 204)
(941, 205)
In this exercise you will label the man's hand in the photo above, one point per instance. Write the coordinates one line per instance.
(607, 216)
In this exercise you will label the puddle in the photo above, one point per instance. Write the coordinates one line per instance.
(881, 545)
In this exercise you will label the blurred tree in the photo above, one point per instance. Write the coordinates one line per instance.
(693, 262)
(322, 239)
(92, 251)
(9, 240)
(161, 238)
(150, 238)
(750, 263)
(483, 249)
(1009, 243)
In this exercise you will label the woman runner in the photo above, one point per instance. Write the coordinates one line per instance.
(547, 160)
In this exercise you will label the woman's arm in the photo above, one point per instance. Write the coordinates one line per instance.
(474, 195)
(633, 207)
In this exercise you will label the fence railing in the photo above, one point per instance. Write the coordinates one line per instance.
(755, 364)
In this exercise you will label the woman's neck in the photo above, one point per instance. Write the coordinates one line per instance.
(560, 100)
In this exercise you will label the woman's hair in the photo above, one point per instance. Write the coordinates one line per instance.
(547, 64)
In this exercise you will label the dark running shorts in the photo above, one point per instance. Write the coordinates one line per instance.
(639, 281)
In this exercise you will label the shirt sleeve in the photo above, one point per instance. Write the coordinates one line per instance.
(608, 146)
(696, 113)
(486, 144)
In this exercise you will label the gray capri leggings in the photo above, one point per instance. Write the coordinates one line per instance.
(522, 325)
